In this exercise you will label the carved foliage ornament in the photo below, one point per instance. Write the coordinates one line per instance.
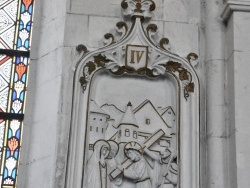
(158, 64)
(124, 142)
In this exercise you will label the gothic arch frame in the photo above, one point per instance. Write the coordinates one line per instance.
(166, 62)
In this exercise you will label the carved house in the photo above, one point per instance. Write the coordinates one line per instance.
(168, 115)
(128, 127)
(210, 96)
(98, 121)
(149, 120)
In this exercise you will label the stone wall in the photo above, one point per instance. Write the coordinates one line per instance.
(191, 26)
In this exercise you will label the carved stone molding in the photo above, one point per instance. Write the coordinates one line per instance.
(142, 8)
(234, 5)
(135, 111)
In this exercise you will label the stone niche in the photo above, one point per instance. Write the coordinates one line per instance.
(135, 118)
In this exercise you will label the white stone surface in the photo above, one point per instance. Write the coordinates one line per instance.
(217, 158)
(61, 25)
(76, 30)
(183, 37)
(95, 7)
(98, 27)
(181, 11)
(238, 91)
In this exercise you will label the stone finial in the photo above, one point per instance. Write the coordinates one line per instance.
(138, 8)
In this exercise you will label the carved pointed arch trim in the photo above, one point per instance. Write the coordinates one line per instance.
(135, 54)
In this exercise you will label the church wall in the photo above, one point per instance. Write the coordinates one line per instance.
(191, 26)
(43, 111)
(217, 154)
(238, 91)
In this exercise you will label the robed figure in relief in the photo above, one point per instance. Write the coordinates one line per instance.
(137, 172)
(97, 167)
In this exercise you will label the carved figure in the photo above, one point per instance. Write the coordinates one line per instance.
(137, 172)
(161, 167)
(112, 163)
(172, 175)
(97, 167)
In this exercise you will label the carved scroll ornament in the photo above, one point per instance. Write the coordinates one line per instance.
(135, 144)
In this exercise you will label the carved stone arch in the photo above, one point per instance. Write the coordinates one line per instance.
(154, 62)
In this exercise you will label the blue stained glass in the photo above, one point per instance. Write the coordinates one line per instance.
(26, 44)
(22, 8)
(24, 78)
(18, 59)
(16, 153)
(22, 96)
(19, 42)
(13, 174)
(25, 61)
(28, 26)
(14, 95)
(18, 134)
(30, 9)
(5, 173)
(9, 133)
(16, 77)
(8, 153)
(21, 25)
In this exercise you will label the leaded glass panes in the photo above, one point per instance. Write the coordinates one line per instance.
(25, 23)
(8, 12)
(15, 32)
(18, 85)
(11, 152)
(5, 72)
(2, 130)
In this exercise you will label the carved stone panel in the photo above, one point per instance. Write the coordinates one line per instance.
(135, 120)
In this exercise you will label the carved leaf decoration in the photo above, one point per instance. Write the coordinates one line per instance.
(152, 27)
(150, 73)
(141, 7)
(101, 60)
(163, 42)
(109, 39)
(158, 69)
(121, 25)
(124, 4)
(82, 80)
(112, 65)
(146, 71)
(152, 6)
(91, 66)
(190, 87)
(81, 48)
(183, 75)
(192, 56)
(138, 8)
(120, 70)
(142, 71)
(130, 70)
(173, 66)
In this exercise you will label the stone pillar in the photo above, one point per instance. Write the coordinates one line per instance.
(59, 26)
(217, 155)
(236, 16)
(46, 109)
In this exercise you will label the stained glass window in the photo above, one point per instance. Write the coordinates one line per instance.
(15, 31)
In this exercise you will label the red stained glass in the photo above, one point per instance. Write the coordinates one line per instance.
(15, 30)
(27, 3)
(20, 69)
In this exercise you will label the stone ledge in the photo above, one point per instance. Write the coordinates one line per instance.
(234, 5)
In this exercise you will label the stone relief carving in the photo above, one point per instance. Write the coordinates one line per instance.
(140, 152)
(136, 111)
